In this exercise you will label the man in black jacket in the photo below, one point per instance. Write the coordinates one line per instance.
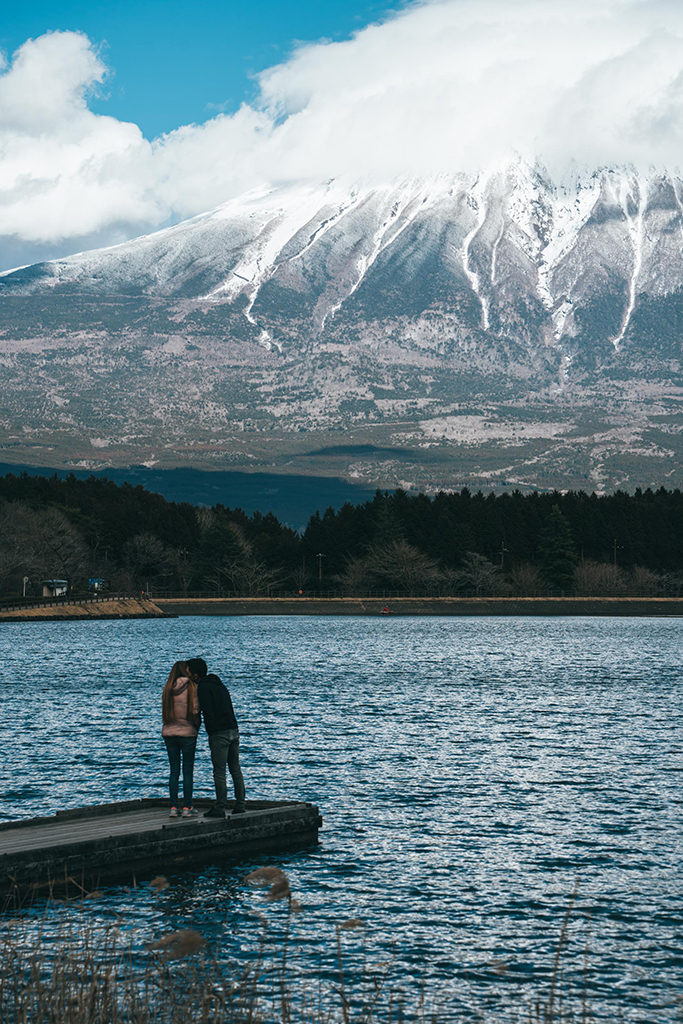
(224, 737)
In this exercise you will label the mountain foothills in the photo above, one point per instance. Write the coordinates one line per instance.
(501, 330)
(71, 529)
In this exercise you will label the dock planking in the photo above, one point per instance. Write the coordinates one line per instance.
(107, 843)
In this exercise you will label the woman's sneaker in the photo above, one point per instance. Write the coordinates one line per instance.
(174, 812)
(189, 812)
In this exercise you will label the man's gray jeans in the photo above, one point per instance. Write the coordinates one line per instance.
(225, 751)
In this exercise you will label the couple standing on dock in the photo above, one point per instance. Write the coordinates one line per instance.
(190, 694)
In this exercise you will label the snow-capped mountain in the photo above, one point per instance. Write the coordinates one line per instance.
(489, 242)
(317, 306)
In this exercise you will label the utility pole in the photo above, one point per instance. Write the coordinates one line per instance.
(183, 569)
(320, 557)
(615, 546)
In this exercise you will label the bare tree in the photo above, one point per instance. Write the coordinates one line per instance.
(600, 579)
(16, 556)
(247, 577)
(672, 584)
(403, 566)
(356, 577)
(243, 571)
(60, 549)
(479, 574)
(300, 577)
(527, 578)
(41, 544)
(147, 560)
(646, 583)
(391, 564)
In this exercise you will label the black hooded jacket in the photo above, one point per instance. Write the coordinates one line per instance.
(215, 705)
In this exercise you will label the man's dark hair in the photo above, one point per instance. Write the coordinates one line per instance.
(197, 667)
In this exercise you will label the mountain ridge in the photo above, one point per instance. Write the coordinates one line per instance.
(315, 307)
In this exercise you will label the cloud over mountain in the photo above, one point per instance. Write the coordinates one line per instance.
(444, 86)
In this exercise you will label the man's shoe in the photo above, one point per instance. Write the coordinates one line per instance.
(239, 809)
(215, 812)
(174, 812)
(190, 812)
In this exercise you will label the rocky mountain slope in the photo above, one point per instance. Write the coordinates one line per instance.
(498, 329)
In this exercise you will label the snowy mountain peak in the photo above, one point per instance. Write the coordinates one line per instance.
(321, 305)
(506, 253)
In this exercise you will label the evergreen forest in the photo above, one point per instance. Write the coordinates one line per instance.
(451, 543)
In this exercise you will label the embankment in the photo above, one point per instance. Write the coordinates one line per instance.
(121, 608)
(623, 606)
(142, 608)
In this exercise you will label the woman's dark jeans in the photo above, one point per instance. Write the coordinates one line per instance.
(178, 746)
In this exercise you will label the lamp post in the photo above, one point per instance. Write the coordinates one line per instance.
(320, 557)
(26, 580)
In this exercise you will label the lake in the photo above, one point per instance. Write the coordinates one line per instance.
(470, 772)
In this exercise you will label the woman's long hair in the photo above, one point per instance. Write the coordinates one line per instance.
(178, 671)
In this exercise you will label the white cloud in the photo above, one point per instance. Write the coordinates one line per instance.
(65, 171)
(444, 86)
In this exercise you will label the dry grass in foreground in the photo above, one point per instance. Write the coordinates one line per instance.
(88, 971)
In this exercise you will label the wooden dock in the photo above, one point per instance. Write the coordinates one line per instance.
(90, 846)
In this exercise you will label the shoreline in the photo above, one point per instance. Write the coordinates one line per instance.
(135, 608)
(400, 606)
(75, 611)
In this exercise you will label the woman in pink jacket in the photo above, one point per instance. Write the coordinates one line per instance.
(180, 714)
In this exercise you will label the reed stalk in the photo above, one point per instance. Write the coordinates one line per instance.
(68, 966)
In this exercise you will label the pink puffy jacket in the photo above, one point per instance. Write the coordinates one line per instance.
(183, 726)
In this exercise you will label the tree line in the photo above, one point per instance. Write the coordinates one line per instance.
(513, 543)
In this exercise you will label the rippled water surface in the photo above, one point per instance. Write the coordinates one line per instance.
(469, 771)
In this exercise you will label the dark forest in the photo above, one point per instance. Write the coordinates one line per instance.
(461, 542)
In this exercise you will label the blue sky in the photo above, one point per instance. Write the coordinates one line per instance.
(175, 62)
(118, 119)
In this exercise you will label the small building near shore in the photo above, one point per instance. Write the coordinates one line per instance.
(54, 588)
